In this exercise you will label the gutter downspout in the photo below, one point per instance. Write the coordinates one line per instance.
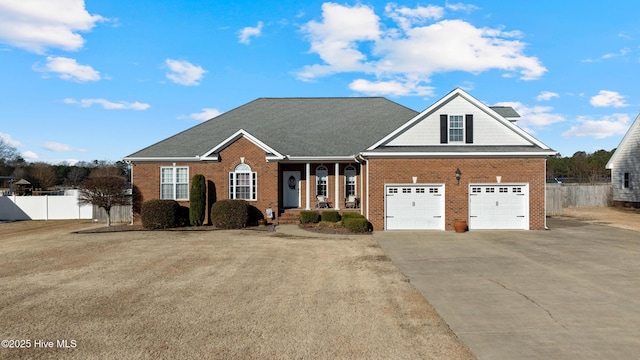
(131, 179)
(545, 194)
(359, 159)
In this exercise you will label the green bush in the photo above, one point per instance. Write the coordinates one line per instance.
(329, 224)
(230, 214)
(182, 220)
(348, 215)
(330, 216)
(197, 200)
(356, 224)
(160, 214)
(309, 217)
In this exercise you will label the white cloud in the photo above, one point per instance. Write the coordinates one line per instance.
(389, 88)
(336, 39)
(407, 17)
(248, 32)
(352, 39)
(616, 124)
(461, 7)
(108, 105)
(606, 98)
(205, 114)
(69, 69)
(622, 52)
(58, 147)
(547, 95)
(36, 25)
(184, 73)
(534, 116)
(9, 141)
(30, 155)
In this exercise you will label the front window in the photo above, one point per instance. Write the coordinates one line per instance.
(322, 173)
(350, 180)
(174, 183)
(243, 183)
(456, 128)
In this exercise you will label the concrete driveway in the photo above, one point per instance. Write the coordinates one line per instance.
(571, 292)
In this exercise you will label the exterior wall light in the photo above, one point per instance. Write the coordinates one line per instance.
(458, 175)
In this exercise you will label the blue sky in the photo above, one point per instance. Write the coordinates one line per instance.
(99, 80)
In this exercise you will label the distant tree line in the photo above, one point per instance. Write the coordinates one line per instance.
(581, 167)
(46, 176)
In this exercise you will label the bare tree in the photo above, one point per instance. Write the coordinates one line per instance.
(8, 153)
(76, 174)
(104, 192)
(108, 170)
(44, 174)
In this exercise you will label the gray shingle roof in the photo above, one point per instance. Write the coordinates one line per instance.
(461, 149)
(293, 126)
(505, 111)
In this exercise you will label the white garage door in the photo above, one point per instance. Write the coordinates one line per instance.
(499, 206)
(414, 207)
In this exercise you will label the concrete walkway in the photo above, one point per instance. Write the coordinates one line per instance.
(571, 292)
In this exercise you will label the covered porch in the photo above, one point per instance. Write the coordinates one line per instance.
(325, 185)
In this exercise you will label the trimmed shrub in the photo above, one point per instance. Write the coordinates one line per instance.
(255, 215)
(356, 224)
(160, 214)
(183, 217)
(329, 224)
(330, 216)
(348, 215)
(230, 214)
(197, 200)
(309, 217)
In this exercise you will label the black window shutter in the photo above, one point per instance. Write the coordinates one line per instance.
(444, 129)
(468, 128)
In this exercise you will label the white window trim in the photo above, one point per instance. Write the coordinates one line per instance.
(174, 182)
(348, 169)
(626, 180)
(449, 128)
(326, 177)
(253, 182)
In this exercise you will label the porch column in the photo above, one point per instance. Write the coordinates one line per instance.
(337, 185)
(308, 186)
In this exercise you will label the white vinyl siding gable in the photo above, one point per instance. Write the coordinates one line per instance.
(487, 130)
(626, 160)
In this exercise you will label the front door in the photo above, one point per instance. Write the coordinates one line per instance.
(291, 189)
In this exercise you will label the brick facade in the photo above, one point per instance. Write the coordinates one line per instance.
(146, 175)
(442, 171)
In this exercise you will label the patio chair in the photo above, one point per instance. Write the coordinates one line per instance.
(351, 202)
(322, 202)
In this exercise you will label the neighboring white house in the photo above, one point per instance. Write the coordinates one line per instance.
(625, 168)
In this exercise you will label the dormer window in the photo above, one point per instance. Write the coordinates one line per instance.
(456, 128)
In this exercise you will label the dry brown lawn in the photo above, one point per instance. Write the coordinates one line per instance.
(210, 294)
(624, 218)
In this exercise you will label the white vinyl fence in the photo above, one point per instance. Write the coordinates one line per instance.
(47, 207)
